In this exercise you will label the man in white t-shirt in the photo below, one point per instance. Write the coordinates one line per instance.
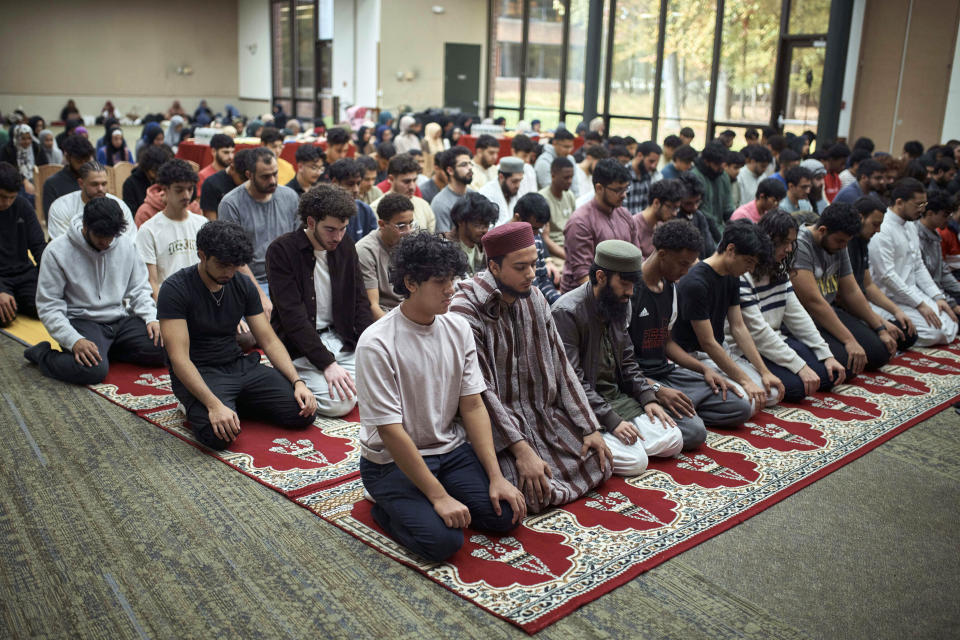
(67, 210)
(167, 242)
(427, 455)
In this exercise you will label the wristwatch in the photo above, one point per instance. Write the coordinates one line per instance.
(656, 387)
(879, 329)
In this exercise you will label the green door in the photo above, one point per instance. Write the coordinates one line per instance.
(461, 76)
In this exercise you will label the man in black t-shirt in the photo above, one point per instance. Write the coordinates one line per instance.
(695, 393)
(19, 232)
(199, 308)
(223, 182)
(309, 168)
(709, 296)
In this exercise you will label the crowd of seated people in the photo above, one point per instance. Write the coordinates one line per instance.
(513, 330)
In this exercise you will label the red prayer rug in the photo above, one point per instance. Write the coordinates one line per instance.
(559, 560)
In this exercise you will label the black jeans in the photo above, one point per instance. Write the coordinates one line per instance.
(877, 354)
(124, 340)
(23, 288)
(247, 387)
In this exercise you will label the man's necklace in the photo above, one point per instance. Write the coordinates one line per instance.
(214, 296)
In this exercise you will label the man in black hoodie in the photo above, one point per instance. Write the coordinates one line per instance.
(144, 174)
(77, 151)
(19, 232)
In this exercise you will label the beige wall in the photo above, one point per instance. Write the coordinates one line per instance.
(126, 52)
(930, 43)
(412, 39)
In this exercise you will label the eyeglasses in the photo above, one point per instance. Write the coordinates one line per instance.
(919, 205)
(619, 191)
(404, 227)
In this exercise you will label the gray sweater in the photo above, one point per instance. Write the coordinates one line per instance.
(77, 281)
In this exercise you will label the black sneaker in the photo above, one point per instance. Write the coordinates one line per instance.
(34, 353)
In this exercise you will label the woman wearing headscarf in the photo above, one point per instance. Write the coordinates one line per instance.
(363, 141)
(152, 134)
(69, 111)
(107, 113)
(25, 154)
(254, 129)
(383, 133)
(116, 149)
(408, 138)
(108, 125)
(48, 143)
(203, 115)
(174, 130)
(386, 118)
(37, 124)
(433, 143)
(279, 117)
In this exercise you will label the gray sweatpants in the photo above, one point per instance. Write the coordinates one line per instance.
(711, 408)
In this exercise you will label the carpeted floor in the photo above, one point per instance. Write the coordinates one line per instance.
(111, 528)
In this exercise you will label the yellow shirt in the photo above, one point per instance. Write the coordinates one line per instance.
(286, 172)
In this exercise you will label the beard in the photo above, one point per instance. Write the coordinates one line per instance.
(611, 309)
(510, 291)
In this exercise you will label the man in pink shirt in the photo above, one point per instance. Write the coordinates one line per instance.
(603, 218)
(665, 196)
(769, 194)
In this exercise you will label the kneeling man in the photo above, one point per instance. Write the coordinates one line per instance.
(427, 454)
(548, 442)
(199, 309)
(592, 321)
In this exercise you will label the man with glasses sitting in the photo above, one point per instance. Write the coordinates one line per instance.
(665, 196)
(896, 265)
(603, 218)
(395, 213)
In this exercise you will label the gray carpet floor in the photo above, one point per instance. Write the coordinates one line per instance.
(112, 528)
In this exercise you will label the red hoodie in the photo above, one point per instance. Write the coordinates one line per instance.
(155, 202)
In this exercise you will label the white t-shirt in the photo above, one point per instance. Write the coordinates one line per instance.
(66, 210)
(414, 375)
(169, 244)
(324, 290)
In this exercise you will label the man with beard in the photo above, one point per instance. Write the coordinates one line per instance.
(717, 204)
(690, 211)
(503, 191)
(472, 216)
(484, 163)
(696, 395)
(709, 297)
(870, 182)
(940, 205)
(664, 201)
(603, 218)
(427, 457)
(816, 198)
(402, 175)
(897, 265)
(592, 323)
(264, 210)
(459, 173)
(823, 280)
(320, 302)
(547, 440)
(223, 149)
(68, 209)
(643, 173)
(199, 309)
(94, 299)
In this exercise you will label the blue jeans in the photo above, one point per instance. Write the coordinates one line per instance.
(405, 513)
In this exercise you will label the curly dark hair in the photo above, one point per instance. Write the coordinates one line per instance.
(103, 217)
(337, 135)
(677, 235)
(367, 163)
(776, 225)
(176, 170)
(609, 171)
(532, 207)
(325, 200)
(344, 169)
(392, 204)
(423, 255)
(10, 179)
(225, 241)
(152, 156)
(795, 174)
(77, 147)
(402, 163)
(692, 187)
(666, 191)
(473, 207)
(840, 217)
(308, 153)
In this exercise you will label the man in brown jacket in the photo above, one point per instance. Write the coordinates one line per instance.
(319, 301)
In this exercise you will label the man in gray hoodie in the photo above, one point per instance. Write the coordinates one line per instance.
(84, 278)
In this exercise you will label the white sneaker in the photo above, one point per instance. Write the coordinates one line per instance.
(367, 496)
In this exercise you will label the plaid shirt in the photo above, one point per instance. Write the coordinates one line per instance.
(638, 192)
(543, 281)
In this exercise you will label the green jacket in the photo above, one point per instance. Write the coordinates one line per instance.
(717, 204)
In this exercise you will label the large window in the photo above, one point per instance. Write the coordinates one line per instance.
(663, 64)
(293, 26)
